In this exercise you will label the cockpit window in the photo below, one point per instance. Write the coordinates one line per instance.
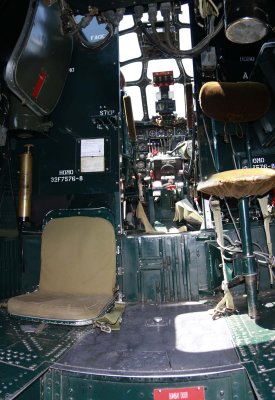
(132, 72)
(94, 32)
(126, 23)
(184, 16)
(188, 66)
(140, 58)
(129, 47)
(185, 44)
(185, 38)
(162, 65)
(145, 17)
(134, 93)
(177, 92)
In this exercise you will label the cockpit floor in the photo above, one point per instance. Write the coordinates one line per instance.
(157, 340)
(168, 341)
(183, 340)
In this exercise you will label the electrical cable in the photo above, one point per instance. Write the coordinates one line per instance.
(165, 48)
(209, 143)
(232, 219)
(70, 26)
(229, 249)
(207, 7)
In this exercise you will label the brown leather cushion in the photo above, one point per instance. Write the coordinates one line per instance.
(239, 183)
(234, 102)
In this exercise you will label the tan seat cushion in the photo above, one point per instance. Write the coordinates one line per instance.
(239, 183)
(78, 255)
(78, 270)
(60, 307)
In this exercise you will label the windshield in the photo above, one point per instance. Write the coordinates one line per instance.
(139, 60)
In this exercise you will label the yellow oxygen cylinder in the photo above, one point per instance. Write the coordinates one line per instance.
(25, 185)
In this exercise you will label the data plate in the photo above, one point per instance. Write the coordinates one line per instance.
(190, 393)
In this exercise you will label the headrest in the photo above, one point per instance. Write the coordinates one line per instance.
(234, 102)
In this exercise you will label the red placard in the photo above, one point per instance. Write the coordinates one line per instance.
(39, 84)
(190, 393)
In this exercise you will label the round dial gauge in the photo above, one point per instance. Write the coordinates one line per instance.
(140, 164)
(142, 146)
(152, 133)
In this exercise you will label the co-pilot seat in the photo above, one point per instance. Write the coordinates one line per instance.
(238, 103)
(78, 271)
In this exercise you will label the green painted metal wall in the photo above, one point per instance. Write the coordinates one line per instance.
(64, 385)
(164, 268)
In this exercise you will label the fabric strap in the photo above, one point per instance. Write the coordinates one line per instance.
(267, 219)
(111, 321)
(227, 299)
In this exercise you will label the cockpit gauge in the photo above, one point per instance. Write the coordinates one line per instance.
(179, 131)
(161, 132)
(142, 146)
(140, 164)
(152, 133)
(170, 131)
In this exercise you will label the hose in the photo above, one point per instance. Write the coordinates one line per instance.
(168, 49)
(70, 26)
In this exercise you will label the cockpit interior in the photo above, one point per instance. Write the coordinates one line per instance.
(137, 199)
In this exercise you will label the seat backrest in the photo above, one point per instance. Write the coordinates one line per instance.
(236, 102)
(78, 256)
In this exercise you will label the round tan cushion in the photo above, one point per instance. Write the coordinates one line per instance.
(234, 102)
(239, 183)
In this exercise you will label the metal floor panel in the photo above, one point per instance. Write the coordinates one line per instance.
(165, 340)
(165, 343)
(255, 343)
(27, 349)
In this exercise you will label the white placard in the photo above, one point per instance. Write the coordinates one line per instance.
(92, 155)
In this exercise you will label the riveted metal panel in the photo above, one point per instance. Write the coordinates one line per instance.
(10, 267)
(27, 349)
(129, 262)
(158, 268)
(64, 385)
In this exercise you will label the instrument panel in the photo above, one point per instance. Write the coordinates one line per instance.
(153, 140)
